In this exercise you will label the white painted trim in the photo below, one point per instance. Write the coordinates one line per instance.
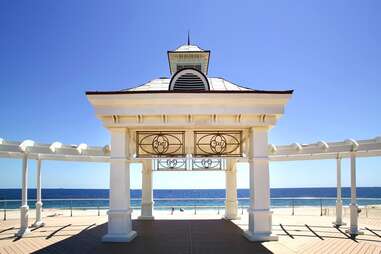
(315, 151)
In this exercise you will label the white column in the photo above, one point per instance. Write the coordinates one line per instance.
(119, 214)
(353, 229)
(339, 203)
(260, 216)
(147, 191)
(24, 209)
(231, 203)
(38, 222)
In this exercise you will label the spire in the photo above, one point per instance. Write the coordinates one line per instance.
(188, 38)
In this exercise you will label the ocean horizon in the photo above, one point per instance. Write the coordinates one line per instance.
(305, 192)
(164, 198)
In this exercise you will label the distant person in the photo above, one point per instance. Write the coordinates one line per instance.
(172, 210)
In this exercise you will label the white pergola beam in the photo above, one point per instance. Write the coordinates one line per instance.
(55, 151)
(323, 156)
(294, 152)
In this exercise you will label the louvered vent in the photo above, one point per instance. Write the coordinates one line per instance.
(188, 81)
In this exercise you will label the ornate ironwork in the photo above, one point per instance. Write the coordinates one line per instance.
(208, 164)
(171, 164)
(183, 164)
(220, 143)
(160, 144)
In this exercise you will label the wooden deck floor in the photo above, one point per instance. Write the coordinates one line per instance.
(82, 234)
(160, 236)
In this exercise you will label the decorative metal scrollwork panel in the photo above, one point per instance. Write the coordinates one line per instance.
(220, 143)
(171, 164)
(160, 144)
(184, 164)
(208, 164)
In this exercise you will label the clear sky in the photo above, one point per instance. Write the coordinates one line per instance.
(51, 52)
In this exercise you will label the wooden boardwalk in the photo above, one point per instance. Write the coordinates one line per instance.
(82, 234)
(160, 236)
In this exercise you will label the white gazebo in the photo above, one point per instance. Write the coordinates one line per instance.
(194, 122)
(28, 150)
(189, 122)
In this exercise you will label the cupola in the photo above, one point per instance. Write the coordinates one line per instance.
(189, 66)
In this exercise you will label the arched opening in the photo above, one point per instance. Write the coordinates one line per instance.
(189, 80)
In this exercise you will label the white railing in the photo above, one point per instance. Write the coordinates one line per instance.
(289, 206)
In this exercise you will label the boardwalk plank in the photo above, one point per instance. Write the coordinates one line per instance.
(186, 236)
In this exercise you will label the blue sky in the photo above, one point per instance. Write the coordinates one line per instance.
(52, 52)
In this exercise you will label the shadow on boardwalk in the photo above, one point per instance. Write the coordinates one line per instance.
(164, 236)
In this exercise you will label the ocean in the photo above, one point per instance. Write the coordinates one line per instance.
(280, 197)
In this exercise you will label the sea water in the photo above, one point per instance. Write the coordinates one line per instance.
(280, 197)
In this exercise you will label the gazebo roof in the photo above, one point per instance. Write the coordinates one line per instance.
(189, 69)
(216, 85)
(188, 48)
(162, 84)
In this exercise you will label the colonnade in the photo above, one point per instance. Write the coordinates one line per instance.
(120, 224)
(24, 209)
(231, 203)
(260, 216)
(353, 207)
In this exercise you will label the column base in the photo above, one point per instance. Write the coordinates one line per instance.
(260, 220)
(231, 210)
(230, 217)
(354, 232)
(119, 238)
(22, 232)
(144, 217)
(339, 214)
(146, 211)
(38, 224)
(119, 226)
(259, 237)
(24, 215)
(260, 225)
(353, 227)
(338, 224)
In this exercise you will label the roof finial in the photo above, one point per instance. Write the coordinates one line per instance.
(188, 38)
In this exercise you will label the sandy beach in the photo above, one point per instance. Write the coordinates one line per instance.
(371, 212)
